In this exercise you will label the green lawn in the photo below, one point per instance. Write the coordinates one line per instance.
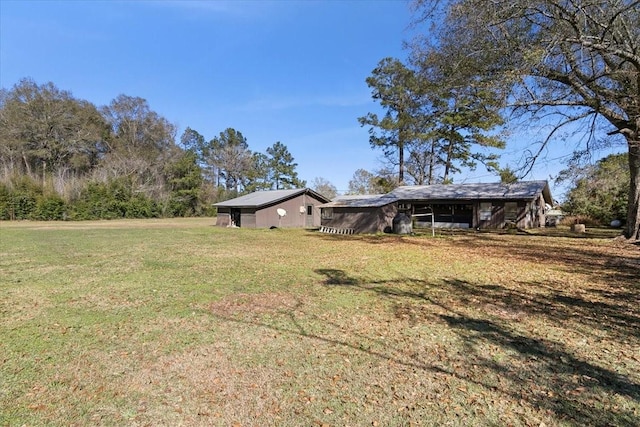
(178, 322)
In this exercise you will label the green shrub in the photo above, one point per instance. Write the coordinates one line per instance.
(5, 202)
(140, 206)
(18, 198)
(112, 200)
(49, 208)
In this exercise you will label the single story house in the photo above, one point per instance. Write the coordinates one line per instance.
(479, 206)
(276, 208)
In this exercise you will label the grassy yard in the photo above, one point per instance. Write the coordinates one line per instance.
(178, 322)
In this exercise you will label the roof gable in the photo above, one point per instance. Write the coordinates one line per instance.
(264, 198)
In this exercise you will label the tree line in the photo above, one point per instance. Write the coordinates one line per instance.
(64, 158)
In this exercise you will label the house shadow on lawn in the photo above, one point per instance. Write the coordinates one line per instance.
(544, 372)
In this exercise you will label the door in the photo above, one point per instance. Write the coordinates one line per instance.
(235, 217)
(309, 216)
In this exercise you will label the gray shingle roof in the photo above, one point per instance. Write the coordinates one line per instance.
(264, 198)
(360, 201)
(525, 190)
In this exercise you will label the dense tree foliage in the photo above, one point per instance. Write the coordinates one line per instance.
(440, 123)
(63, 158)
(578, 60)
(259, 177)
(399, 92)
(141, 146)
(230, 154)
(282, 168)
(599, 191)
(185, 185)
(47, 132)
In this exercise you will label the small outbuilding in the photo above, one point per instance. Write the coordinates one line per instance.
(478, 206)
(276, 208)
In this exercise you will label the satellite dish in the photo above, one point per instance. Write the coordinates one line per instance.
(281, 212)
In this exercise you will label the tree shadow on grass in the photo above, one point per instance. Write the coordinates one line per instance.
(337, 277)
(615, 262)
(549, 377)
(614, 313)
(544, 373)
(565, 384)
(622, 265)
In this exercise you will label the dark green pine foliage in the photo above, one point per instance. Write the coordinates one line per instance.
(259, 176)
(397, 89)
(282, 168)
(185, 180)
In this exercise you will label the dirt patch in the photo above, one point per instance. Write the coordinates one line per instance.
(262, 303)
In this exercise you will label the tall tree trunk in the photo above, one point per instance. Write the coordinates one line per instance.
(401, 162)
(633, 213)
(27, 166)
(447, 164)
(432, 161)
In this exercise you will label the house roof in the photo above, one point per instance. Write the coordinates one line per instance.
(525, 190)
(360, 201)
(259, 199)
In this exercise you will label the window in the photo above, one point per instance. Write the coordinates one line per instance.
(327, 213)
(309, 209)
(511, 211)
(485, 211)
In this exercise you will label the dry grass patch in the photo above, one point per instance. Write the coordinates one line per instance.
(254, 304)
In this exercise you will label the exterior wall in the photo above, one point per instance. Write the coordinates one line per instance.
(496, 219)
(522, 215)
(483, 214)
(528, 214)
(268, 216)
(227, 217)
(223, 218)
(297, 214)
(302, 211)
(535, 213)
(362, 220)
(248, 218)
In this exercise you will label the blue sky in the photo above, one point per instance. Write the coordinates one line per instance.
(288, 71)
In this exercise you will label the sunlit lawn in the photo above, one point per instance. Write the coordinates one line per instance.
(178, 322)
